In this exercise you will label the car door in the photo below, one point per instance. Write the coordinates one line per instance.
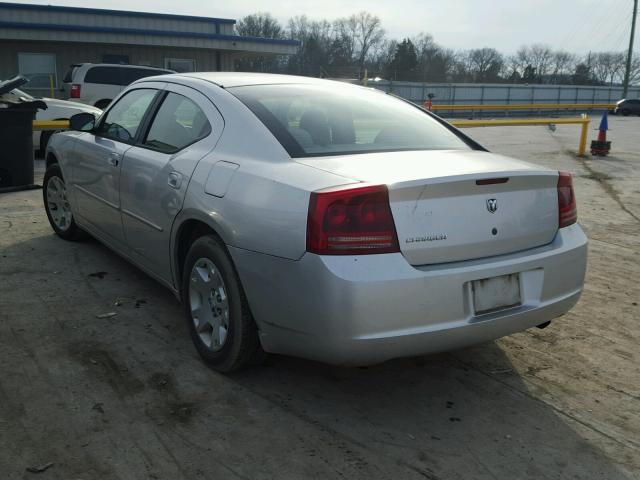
(97, 162)
(156, 171)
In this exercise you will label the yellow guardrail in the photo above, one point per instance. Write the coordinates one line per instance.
(50, 124)
(530, 106)
(583, 120)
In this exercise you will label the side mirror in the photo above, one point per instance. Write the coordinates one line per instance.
(82, 122)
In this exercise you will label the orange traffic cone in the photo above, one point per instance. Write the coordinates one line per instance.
(601, 146)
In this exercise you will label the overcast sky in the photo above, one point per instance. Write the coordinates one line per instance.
(575, 25)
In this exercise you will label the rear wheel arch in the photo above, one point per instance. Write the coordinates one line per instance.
(51, 159)
(188, 232)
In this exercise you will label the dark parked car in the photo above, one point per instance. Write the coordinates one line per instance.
(627, 107)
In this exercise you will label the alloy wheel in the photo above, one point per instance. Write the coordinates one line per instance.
(209, 304)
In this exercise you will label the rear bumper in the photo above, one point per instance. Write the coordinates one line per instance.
(367, 309)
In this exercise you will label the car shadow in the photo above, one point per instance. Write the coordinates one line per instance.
(464, 414)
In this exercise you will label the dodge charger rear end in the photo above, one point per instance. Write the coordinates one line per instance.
(332, 222)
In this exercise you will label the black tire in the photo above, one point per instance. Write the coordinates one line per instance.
(72, 232)
(625, 112)
(242, 345)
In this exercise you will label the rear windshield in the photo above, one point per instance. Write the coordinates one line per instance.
(311, 120)
(68, 77)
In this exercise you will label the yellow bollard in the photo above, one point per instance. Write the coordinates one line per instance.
(583, 135)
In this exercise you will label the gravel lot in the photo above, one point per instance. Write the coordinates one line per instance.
(126, 397)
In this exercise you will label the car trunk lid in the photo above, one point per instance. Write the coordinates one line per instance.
(458, 205)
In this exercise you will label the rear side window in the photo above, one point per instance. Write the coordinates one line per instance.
(313, 120)
(104, 75)
(122, 121)
(178, 123)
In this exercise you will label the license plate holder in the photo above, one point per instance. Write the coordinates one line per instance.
(496, 293)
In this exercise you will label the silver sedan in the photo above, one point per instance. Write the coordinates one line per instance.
(318, 219)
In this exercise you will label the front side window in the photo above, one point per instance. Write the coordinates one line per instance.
(178, 123)
(124, 118)
(311, 120)
(39, 68)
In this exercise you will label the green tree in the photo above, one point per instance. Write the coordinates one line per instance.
(404, 62)
(582, 75)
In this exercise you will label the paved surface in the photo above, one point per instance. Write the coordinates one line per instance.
(127, 398)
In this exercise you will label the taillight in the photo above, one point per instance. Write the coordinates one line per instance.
(75, 91)
(567, 209)
(355, 221)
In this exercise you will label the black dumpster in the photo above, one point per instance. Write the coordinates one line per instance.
(16, 136)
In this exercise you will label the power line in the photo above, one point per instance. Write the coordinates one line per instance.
(579, 22)
(611, 28)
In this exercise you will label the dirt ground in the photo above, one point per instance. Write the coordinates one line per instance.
(126, 397)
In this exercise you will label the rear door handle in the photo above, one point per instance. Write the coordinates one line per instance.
(114, 159)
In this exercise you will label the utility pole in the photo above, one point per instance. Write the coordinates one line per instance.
(627, 72)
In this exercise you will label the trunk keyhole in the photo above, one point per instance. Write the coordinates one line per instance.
(494, 231)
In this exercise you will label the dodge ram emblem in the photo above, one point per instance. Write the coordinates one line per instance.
(492, 205)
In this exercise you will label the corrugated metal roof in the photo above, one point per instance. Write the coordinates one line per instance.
(140, 31)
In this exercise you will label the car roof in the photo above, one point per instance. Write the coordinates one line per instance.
(238, 79)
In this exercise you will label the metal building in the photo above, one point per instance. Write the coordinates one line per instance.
(42, 41)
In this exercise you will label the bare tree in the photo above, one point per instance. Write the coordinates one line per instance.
(608, 67)
(533, 63)
(513, 67)
(358, 34)
(435, 64)
(369, 34)
(485, 64)
(316, 37)
(563, 65)
(462, 66)
(344, 47)
(542, 59)
(260, 24)
(381, 56)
